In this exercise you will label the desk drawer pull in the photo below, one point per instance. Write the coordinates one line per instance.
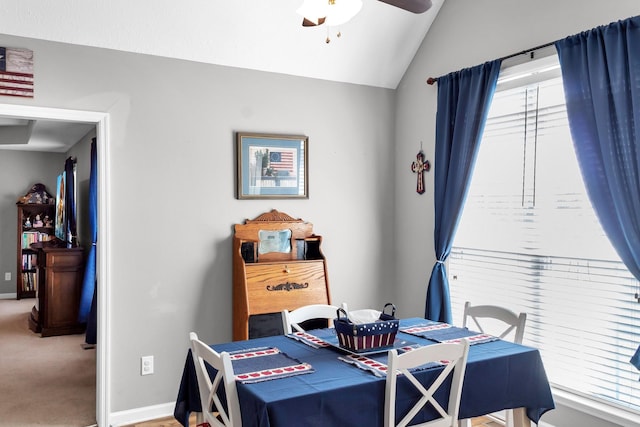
(287, 286)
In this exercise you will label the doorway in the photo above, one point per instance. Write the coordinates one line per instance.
(100, 120)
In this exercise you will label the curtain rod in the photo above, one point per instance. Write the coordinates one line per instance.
(432, 80)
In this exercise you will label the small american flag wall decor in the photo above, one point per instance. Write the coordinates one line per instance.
(16, 72)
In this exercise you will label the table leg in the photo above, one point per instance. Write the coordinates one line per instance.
(199, 419)
(520, 418)
(464, 423)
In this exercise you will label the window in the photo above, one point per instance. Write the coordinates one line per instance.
(529, 240)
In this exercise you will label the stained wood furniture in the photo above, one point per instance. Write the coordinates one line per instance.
(31, 228)
(60, 273)
(277, 264)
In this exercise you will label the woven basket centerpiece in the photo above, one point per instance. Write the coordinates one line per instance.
(367, 336)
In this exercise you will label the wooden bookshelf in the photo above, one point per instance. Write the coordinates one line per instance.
(32, 228)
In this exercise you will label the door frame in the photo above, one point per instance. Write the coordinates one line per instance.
(101, 121)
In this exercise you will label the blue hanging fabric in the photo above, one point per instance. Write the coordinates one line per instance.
(89, 283)
(635, 359)
(70, 233)
(601, 75)
(464, 98)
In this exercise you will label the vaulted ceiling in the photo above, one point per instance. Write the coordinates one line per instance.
(374, 48)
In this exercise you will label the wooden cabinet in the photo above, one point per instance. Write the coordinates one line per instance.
(60, 275)
(277, 264)
(35, 224)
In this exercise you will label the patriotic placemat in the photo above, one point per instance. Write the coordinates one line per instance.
(424, 329)
(474, 338)
(265, 363)
(308, 339)
(444, 332)
(377, 364)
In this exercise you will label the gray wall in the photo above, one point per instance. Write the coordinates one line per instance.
(172, 173)
(468, 33)
(19, 170)
(172, 176)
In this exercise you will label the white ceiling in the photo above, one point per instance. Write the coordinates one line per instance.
(375, 47)
(54, 136)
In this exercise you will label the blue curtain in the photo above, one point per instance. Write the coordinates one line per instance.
(601, 73)
(87, 299)
(464, 98)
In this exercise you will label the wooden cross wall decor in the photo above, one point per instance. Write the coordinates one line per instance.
(420, 166)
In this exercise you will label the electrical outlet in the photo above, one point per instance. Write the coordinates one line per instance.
(146, 365)
(7, 275)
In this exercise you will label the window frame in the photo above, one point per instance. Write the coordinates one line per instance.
(533, 71)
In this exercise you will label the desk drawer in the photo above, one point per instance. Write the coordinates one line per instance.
(274, 287)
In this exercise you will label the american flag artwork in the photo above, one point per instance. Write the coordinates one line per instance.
(282, 160)
(271, 165)
(16, 72)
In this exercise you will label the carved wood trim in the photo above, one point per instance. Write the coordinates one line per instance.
(288, 286)
(273, 215)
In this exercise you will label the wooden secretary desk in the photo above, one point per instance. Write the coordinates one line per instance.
(277, 265)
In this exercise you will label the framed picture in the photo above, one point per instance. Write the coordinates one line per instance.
(272, 166)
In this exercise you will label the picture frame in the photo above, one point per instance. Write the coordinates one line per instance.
(272, 166)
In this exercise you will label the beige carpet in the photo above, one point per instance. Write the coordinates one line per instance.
(43, 381)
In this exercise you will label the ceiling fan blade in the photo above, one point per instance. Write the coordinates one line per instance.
(415, 6)
(306, 22)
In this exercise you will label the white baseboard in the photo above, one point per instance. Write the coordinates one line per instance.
(9, 296)
(137, 415)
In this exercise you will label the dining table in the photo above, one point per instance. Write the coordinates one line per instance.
(345, 387)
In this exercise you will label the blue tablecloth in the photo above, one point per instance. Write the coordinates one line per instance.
(499, 375)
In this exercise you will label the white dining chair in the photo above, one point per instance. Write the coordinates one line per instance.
(498, 317)
(498, 321)
(213, 411)
(291, 320)
(399, 365)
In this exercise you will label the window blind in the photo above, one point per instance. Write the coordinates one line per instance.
(529, 240)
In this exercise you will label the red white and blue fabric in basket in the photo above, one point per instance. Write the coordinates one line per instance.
(265, 363)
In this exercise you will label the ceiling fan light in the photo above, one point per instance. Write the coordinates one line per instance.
(313, 8)
(342, 11)
(330, 12)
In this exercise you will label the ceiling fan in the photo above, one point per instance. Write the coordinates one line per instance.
(338, 12)
(415, 6)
